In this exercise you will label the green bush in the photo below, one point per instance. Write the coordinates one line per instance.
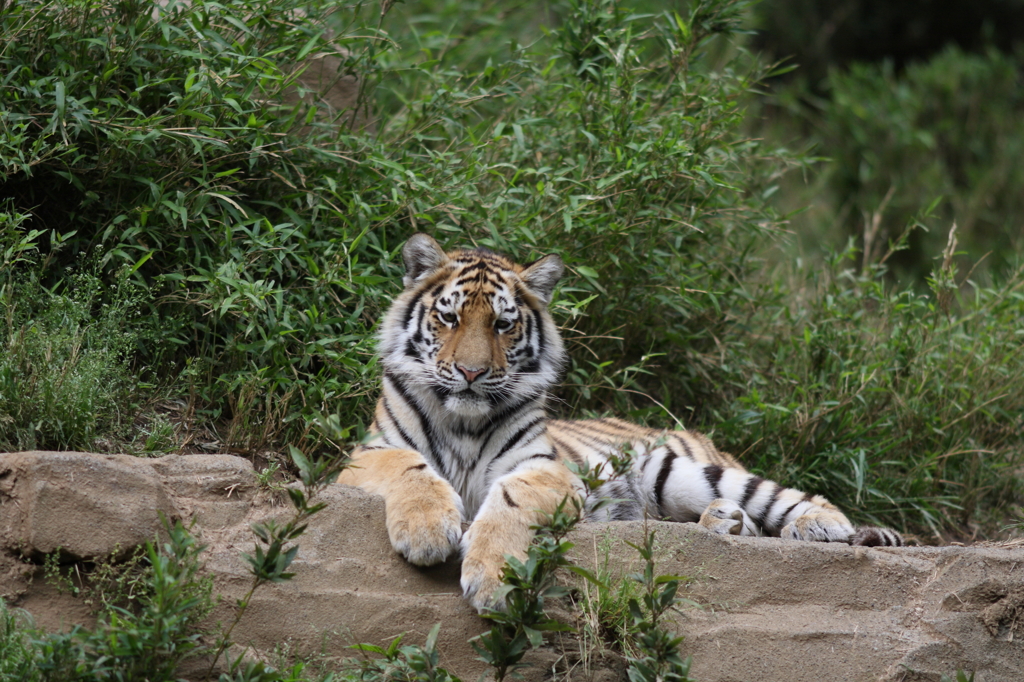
(163, 147)
(15, 643)
(268, 245)
(147, 643)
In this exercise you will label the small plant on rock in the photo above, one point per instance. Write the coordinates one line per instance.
(145, 642)
(658, 658)
(116, 580)
(528, 585)
(402, 663)
(275, 551)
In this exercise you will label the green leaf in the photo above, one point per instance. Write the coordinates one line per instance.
(299, 459)
(431, 642)
(371, 648)
(206, 118)
(535, 637)
(58, 92)
(588, 575)
(142, 261)
(308, 47)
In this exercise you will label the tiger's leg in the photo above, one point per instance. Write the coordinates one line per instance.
(689, 480)
(514, 502)
(726, 517)
(424, 513)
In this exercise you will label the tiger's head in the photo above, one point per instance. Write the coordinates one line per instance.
(472, 327)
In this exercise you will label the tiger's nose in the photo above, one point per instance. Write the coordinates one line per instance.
(470, 374)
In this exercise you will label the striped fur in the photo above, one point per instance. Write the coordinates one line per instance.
(461, 433)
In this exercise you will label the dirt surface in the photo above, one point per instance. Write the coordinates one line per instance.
(764, 609)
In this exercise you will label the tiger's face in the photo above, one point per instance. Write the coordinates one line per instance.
(472, 328)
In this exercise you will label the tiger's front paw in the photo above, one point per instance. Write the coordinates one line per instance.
(820, 526)
(480, 583)
(725, 517)
(483, 560)
(425, 523)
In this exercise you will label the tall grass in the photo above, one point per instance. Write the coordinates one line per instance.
(900, 406)
(65, 376)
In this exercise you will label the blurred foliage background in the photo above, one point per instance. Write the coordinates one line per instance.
(911, 102)
(755, 203)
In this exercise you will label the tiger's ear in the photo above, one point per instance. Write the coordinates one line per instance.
(542, 276)
(422, 256)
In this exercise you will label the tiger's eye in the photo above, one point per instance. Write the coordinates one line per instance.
(502, 325)
(449, 318)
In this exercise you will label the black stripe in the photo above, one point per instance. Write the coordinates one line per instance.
(409, 441)
(783, 519)
(647, 460)
(608, 430)
(569, 452)
(531, 367)
(766, 512)
(586, 435)
(527, 329)
(686, 446)
(659, 485)
(508, 499)
(540, 329)
(540, 455)
(499, 419)
(412, 308)
(425, 426)
(713, 474)
(748, 492)
(616, 425)
(458, 427)
(510, 444)
(479, 265)
(418, 467)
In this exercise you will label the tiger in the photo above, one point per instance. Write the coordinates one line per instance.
(461, 432)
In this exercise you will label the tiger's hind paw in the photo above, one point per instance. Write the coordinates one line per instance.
(725, 517)
(821, 526)
(871, 536)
